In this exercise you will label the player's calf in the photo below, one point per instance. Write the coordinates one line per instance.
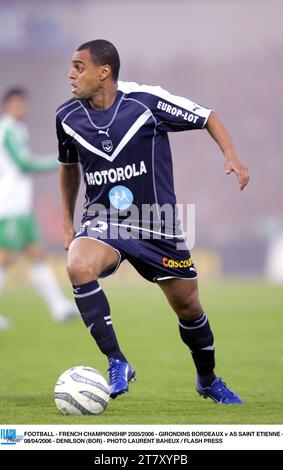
(95, 311)
(189, 308)
(197, 335)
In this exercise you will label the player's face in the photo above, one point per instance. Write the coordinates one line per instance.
(85, 75)
(17, 106)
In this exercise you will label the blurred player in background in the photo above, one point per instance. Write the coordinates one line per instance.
(18, 228)
(117, 133)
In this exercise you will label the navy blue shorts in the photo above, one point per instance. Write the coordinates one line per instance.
(156, 258)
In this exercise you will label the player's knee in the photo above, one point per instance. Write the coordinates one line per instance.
(190, 308)
(80, 271)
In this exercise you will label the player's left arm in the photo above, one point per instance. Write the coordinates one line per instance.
(232, 163)
(175, 113)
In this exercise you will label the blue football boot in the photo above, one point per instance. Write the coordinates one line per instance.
(120, 374)
(219, 392)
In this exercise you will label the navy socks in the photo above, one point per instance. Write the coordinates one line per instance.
(198, 336)
(95, 312)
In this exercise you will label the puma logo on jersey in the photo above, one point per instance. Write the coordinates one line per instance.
(195, 107)
(104, 132)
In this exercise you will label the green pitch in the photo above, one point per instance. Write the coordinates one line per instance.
(248, 325)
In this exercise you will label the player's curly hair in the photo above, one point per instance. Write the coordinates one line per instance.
(103, 53)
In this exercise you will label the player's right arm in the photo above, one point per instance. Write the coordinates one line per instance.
(70, 178)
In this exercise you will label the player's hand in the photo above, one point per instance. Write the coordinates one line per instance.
(68, 237)
(234, 165)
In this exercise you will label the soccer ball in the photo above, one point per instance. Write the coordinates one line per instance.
(81, 390)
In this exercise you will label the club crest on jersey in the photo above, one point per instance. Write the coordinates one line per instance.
(107, 145)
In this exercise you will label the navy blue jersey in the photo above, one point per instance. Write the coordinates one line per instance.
(124, 150)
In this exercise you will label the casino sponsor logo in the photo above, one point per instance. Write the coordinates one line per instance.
(178, 112)
(173, 263)
(116, 174)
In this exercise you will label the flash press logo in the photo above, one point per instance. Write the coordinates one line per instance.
(9, 437)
